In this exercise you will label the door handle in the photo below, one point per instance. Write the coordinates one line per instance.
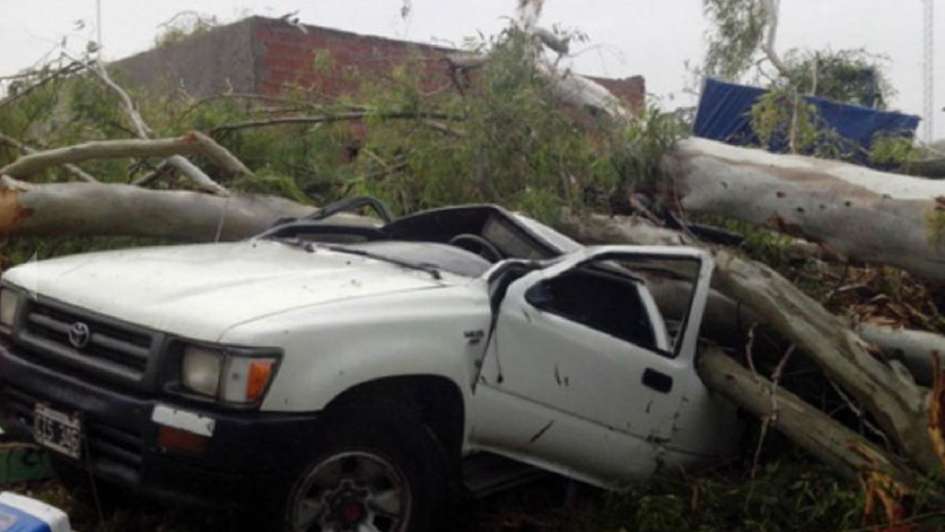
(657, 380)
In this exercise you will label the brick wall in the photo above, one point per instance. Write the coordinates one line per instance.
(286, 57)
(266, 55)
(631, 90)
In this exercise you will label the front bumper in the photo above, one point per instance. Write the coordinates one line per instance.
(248, 452)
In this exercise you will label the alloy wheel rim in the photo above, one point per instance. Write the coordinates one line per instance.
(352, 492)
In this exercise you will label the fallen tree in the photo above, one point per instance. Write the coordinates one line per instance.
(76, 208)
(849, 452)
(704, 177)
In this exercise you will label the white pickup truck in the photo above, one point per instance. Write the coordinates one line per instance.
(351, 375)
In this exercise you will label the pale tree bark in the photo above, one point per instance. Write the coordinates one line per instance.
(728, 322)
(193, 143)
(331, 118)
(36, 162)
(867, 215)
(772, 10)
(906, 412)
(846, 451)
(918, 350)
(89, 209)
(71, 168)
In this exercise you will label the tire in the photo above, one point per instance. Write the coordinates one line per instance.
(374, 470)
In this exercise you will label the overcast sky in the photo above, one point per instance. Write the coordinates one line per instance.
(652, 38)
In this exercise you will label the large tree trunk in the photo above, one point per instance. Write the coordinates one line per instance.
(728, 322)
(92, 209)
(848, 452)
(854, 211)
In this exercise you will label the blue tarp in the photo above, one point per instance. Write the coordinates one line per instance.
(725, 114)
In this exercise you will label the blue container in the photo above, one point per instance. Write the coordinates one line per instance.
(23, 514)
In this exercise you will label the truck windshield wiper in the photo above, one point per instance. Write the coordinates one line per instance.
(421, 266)
(293, 241)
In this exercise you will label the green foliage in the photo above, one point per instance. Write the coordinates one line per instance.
(267, 182)
(737, 28)
(760, 244)
(782, 114)
(322, 61)
(935, 220)
(855, 77)
(511, 142)
(890, 151)
(735, 38)
(638, 152)
(517, 146)
(787, 494)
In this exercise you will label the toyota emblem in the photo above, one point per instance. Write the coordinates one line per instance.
(79, 335)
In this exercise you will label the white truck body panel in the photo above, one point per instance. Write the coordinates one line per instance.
(199, 291)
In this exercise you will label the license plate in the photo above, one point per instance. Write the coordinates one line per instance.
(57, 430)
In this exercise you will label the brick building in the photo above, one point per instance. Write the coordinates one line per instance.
(267, 56)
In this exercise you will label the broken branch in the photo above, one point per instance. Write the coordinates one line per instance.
(198, 176)
(340, 117)
(101, 149)
(24, 148)
(812, 429)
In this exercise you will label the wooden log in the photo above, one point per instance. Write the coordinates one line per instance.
(813, 430)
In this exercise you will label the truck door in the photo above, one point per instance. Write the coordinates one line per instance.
(582, 343)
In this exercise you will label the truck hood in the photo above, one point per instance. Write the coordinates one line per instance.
(199, 291)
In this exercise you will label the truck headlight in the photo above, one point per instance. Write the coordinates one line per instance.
(236, 376)
(9, 302)
(200, 370)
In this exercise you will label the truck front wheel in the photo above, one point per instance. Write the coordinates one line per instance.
(375, 471)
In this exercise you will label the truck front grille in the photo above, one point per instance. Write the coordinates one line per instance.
(108, 445)
(104, 346)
